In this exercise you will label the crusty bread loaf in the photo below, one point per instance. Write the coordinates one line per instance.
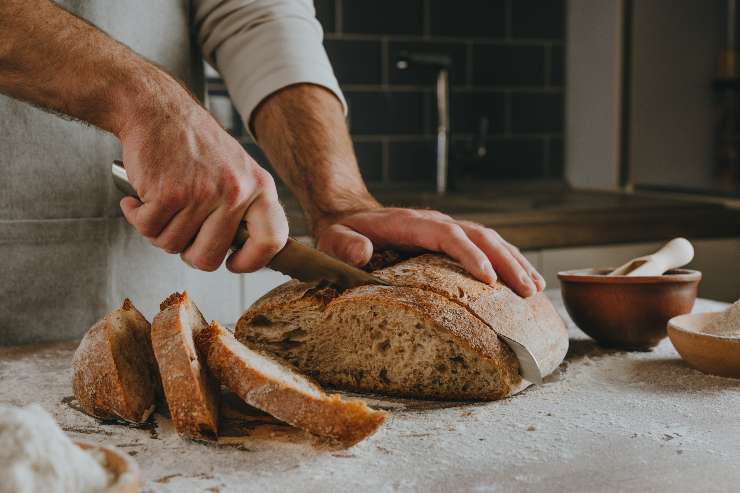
(114, 372)
(189, 388)
(277, 389)
(431, 335)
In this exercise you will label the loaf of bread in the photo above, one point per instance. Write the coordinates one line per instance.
(190, 389)
(277, 389)
(432, 334)
(114, 372)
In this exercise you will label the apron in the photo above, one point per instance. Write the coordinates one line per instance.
(67, 256)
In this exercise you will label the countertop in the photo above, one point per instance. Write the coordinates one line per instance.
(606, 421)
(553, 215)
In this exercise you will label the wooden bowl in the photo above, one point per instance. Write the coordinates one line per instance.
(124, 469)
(708, 353)
(624, 311)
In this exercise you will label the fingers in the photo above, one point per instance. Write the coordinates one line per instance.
(342, 242)
(268, 233)
(214, 238)
(182, 229)
(428, 230)
(509, 268)
(149, 218)
(539, 281)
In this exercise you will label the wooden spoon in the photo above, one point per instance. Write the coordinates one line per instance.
(674, 254)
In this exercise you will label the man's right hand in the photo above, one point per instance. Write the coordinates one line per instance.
(196, 184)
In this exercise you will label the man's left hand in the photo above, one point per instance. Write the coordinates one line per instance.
(480, 250)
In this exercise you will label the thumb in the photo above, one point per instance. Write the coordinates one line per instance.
(345, 244)
(130, 207)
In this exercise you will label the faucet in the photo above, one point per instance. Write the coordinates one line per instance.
(441, 63)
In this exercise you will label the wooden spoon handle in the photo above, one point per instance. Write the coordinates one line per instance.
(674, 254)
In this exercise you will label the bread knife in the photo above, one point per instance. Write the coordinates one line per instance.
(296, 259)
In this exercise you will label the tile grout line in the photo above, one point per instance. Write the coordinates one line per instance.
(338, 10)
(384, 64)
(469, 68)
(538, 89)
(427, 20)
(548, 63)
(444, 39)
(507, 114)
(508, 14)
(385, 160)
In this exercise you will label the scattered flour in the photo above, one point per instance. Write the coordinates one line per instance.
(727, 324)
(37, 457)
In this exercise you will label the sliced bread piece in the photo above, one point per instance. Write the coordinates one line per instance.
(114, 372)
(532, 321)
(280, 321)
(277, 389)
(189, 388)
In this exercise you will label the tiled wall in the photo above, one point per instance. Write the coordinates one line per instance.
(507, 56)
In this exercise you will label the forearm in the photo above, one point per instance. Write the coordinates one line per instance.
(57, 61)
(302, 130)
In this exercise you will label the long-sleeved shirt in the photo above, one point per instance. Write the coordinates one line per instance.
(261, 46)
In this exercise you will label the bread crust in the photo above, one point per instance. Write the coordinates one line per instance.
(189, 388)
(97, 382)
(327, 415)
(533, 320)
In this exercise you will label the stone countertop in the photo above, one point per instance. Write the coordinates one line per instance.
(552, 215)
(607, 421)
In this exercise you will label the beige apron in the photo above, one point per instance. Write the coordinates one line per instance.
(66, 254)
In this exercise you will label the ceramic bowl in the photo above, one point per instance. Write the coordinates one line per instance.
(624, 311)
(718, 355)
(124, 469)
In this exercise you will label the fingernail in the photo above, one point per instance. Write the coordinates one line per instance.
(487, 269)
(539, 281)
(530, 287)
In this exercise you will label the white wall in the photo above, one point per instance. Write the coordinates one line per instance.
(676, 46)
(593, 92)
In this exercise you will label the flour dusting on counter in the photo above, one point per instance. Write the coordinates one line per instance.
(607, 420)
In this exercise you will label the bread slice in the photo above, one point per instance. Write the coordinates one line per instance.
(277, 389)
(433, 334)
(281, 320)
(114, 372)
(189, 388)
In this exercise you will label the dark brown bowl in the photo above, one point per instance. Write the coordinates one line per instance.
(627, 312)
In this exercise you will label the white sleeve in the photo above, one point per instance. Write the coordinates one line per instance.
(261, 46)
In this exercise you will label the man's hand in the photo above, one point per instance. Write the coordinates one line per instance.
(480, 250)
(196, 184)
(303, 132)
